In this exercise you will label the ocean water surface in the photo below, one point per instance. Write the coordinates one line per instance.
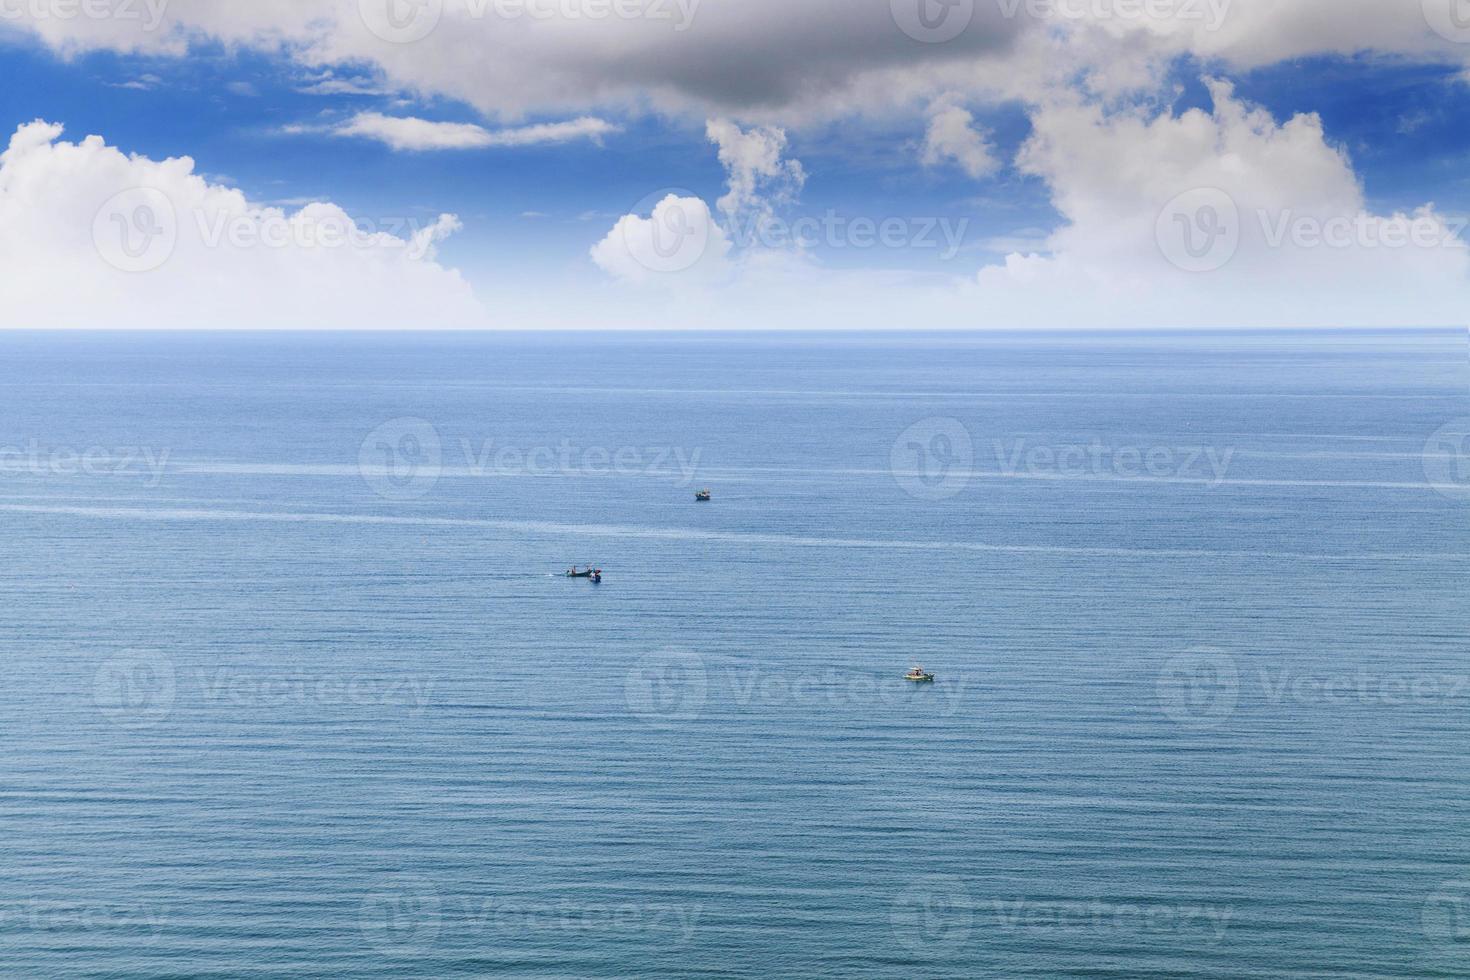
(295, 684)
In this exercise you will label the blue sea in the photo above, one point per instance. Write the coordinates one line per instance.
(295, 684)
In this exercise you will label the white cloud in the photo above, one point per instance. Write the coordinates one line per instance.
(677, 244)
(157, 246)
(1272, 229)
(759, 58)
(409, 133)
(758, 180)
(682, 240)
(954, 137)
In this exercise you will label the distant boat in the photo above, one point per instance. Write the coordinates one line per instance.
(919, 676)
(595, 574)
(705, 496)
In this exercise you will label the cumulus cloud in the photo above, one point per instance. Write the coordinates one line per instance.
(758, 180)
(413, 134)
(158, 246)
(511, 59)
(753, 58)
(683, 240)
(954, 137)
(678, 243)
(1221, 218)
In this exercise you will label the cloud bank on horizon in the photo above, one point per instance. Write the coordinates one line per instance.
(1221, 213)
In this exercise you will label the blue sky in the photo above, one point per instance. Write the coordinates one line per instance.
(1009, 177)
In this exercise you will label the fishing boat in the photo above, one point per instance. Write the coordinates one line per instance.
(705, 496)
(594, 574)
(919, 676)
